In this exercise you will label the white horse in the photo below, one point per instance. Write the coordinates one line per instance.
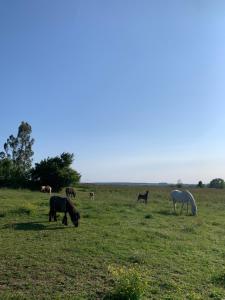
(184, 197)
(46, 189)
(92, 195)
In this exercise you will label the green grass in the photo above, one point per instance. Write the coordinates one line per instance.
(181, 257)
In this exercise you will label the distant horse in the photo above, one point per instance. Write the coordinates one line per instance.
(63, 204)
(143, 197)
(70, 192)
(46, 189)
(92, 195)
(184, 197)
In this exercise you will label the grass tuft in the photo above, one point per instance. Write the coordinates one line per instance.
(129, 283)
(219, 279)
(189, 229)
(26, 209)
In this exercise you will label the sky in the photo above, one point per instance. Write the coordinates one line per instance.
(135, 89)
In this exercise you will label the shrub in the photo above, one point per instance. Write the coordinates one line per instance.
(129, 283)
(55, 171)
(200, 184)
(217, 183)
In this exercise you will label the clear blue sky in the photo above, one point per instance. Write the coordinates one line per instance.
(135, 89)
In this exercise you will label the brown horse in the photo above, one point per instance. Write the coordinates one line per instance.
(70, 192)
(63, 204)
(143, 197)
(46, 189)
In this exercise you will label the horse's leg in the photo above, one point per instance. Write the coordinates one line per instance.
(174, 207)
(187, 208)
(181, 208)
(64, 221)
(50, 216)
(55, 218)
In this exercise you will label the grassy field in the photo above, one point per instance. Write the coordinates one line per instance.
(181, 257)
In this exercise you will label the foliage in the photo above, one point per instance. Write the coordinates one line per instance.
(130, 283)
(19, 148)
(217, 183)
(16, 160)
(55, 171)
(179, 184)
(200, 184)
(219, 278)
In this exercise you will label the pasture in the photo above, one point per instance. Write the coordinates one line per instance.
(181, 257)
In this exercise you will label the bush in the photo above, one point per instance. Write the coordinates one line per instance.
(55, 171)
(129, 283)
(217, 183)
(200, 184)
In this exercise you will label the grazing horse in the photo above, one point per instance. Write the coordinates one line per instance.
(92, 195)
(70, 192)
(63, 204)
(184, 197)
(143, 197)
(46, 189)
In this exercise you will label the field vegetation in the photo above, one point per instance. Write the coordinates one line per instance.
(174, 256)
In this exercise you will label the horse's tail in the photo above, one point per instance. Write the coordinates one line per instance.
(193, 204)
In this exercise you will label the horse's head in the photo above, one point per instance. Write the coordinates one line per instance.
(75, 218)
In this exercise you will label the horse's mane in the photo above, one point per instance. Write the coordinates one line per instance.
(192, 202)
(70, 203)
(71, 207)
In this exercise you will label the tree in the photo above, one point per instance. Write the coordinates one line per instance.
(179, 183)
(6, 171)
(16, 159)
(217, 183)
(19, 148)
(200, 184)
(55, 171)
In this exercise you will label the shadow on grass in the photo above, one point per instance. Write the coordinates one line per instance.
(33, 226)
(172, 213)
(166, 212)
(219, 279)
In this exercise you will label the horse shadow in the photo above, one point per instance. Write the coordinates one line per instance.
(32, 226)
(172, 213)
(167, 212)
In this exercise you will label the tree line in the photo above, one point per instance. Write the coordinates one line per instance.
(16, 164)
(217, 183)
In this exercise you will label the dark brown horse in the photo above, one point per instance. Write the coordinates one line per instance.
(63, 204)
(70, 192)
(143, 197)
